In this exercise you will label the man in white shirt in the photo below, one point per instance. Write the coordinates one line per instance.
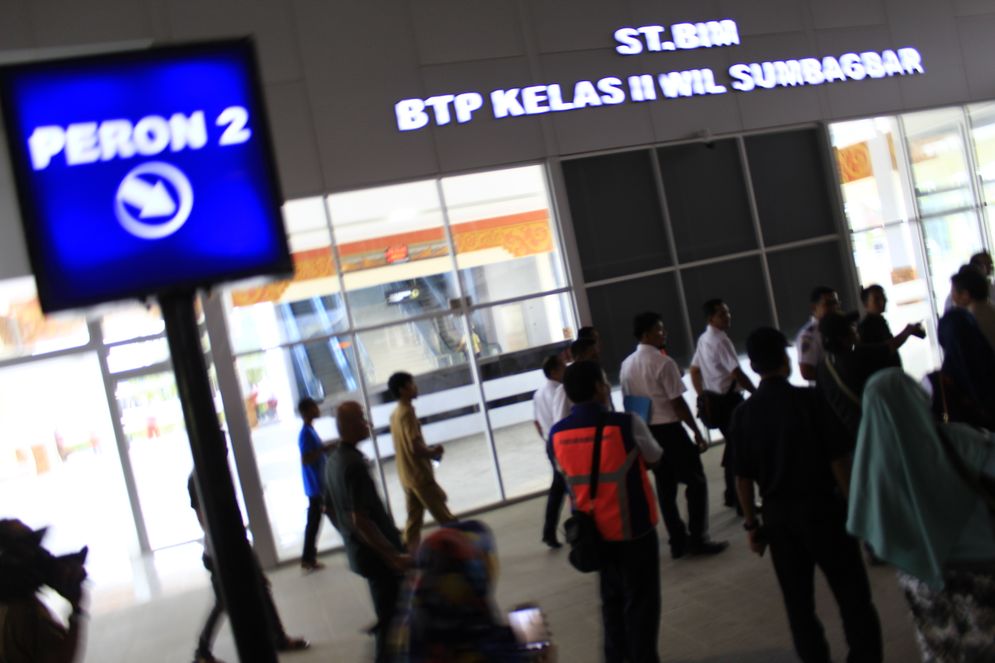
(719, 382)
(547, 413)
(809, 342)
(983, 263)
(970, 290)
(649, 373)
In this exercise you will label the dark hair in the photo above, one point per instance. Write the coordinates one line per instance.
(645, 322)
(304, 404)
(581, 346)
(586, 332)
(980, 260)
(835, 329)
(397, 382)
(550, 364)
(765, 347)
(866, 293)
(711, 307)
(819, 292)
(581, 380)
(974, 282)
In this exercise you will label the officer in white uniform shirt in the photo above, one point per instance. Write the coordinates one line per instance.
(547, 412)
(586, 348)
(719, 382)
(809, 342)
(983, 263)
(648, 373)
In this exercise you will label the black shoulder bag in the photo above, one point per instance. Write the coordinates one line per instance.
(581, 530)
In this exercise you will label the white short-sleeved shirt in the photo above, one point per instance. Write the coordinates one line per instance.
(649, 373)
(716, 358)
(562, 405)
(544, 404)
(809, 344)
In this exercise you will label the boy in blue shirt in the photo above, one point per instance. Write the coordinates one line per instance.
(313, 452)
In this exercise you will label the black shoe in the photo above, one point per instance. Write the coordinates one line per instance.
(678, 550)
(552, 542)
(708, 547)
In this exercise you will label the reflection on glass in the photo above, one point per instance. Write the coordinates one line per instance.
(502, 228)
(137, 355)
(25, 330)
(152, 419)
(272, 384)
(59, 466)
(871, 182)
(394, 252)
(950, 242)
(983, 135)
(537, 328)
(939, 160)
(887, 257)
(134, 321)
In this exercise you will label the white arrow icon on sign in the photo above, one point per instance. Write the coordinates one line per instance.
(159, 214)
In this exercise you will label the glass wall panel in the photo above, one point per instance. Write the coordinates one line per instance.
(870, 171)
(128, 322)
(790, 183)
(24, 330)
(888, 257)
(308, 305)
(614, 306)
(130, 356)
(502, 227)
(951, 240)
(435, 351)
(272, 383)
(534, 329)
(741, 284)
(394, 254)
(983, 136)
(59, 464)
(707, 225)
(939, 160)
(616, 214)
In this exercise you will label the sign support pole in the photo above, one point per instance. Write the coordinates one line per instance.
(239, 572)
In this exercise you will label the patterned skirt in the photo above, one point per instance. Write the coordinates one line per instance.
(957, 623)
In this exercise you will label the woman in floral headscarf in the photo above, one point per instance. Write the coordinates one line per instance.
(450, 615)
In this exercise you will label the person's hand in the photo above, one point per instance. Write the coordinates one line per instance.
(917, 330)
(437, 451)
(701, 442)
(758, 543)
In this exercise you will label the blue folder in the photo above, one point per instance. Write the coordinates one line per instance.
(638, 405)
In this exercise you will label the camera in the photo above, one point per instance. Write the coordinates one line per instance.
(25, 565)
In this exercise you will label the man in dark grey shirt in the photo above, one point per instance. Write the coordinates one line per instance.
(372, 542)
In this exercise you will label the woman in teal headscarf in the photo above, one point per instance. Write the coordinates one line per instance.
(918, 497)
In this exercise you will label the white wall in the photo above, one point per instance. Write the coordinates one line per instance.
(333, 71)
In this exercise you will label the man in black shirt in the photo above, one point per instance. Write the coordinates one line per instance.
(372, 542)
(786, 441)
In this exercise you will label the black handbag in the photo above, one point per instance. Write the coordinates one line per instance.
(582, 532)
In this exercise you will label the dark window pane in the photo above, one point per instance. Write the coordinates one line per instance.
(740, 283)
(791, 186)
(614, 306)
(616, 214)
(795, 272)
(706, 198)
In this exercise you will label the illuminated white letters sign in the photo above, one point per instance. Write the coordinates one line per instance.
(463, 107)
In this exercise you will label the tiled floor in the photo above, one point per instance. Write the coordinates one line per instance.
(726, 608)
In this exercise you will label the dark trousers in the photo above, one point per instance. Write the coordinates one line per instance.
(206, 639)
(554, 505)
(681, 463)
(730, 498)
(385, 588)
(803, 535)
(315, 507)
(630, 599)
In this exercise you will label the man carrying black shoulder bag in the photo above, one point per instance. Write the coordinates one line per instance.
(612, 531)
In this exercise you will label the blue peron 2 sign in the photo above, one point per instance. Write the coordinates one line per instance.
(143, 172)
